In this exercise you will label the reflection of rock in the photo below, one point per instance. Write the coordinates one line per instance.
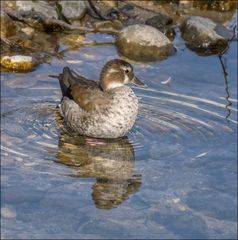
(143, 43)
(163, 23)
(205, 36)
(18, 63)
(111, 162)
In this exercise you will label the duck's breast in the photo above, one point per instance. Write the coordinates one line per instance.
(118, 117)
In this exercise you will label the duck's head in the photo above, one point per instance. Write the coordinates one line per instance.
(117, 73)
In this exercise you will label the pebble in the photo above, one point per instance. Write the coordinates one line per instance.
(73, 10)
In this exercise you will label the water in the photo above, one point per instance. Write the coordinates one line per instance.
(173, 176)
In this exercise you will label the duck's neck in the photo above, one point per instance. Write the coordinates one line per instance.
(110, 80)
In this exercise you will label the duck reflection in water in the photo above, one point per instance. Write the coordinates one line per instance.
(111, 162)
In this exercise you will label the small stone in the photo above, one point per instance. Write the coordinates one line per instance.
(18, 63)
(73, 10)
(8, 212)
(205, 36)
(143, 43)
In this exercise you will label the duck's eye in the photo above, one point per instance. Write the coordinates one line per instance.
(126, 71)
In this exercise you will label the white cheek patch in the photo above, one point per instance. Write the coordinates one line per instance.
(126, 78)
(114, 85)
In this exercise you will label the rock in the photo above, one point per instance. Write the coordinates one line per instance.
(45, 8)
(8, 27)
(205, 36)
(143, 43)
(73, 10)
(17, 63)
(163, 23)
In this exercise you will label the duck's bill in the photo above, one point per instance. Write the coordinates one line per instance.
(136, 81)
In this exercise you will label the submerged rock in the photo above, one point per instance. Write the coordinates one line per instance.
(18, 63)
(143, 43)
(205, 36)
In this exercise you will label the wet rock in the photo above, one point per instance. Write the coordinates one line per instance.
(17, 63)
(8, 27)
(45, 8)
(73, 10)
(163, 23)
(205, 36)
(143, 43)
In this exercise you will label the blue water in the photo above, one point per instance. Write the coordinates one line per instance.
(173, 176)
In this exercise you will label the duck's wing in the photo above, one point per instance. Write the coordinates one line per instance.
(69, 78)
(86, 93)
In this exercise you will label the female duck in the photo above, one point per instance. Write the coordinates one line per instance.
(104, 109)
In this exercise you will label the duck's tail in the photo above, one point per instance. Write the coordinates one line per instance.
(65, 81)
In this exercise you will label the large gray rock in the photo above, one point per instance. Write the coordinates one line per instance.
(205, 36)
(143, 43)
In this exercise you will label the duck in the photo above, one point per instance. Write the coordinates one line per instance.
(100, 109)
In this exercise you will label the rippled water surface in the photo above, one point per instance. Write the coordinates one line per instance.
(173, 176)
